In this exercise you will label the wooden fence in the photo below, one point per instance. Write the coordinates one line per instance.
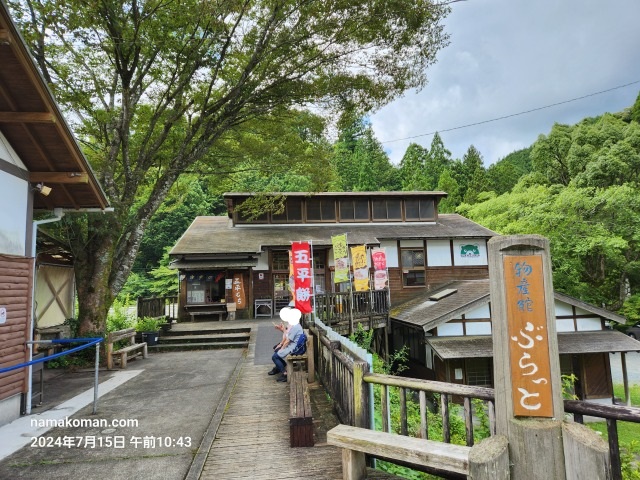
(345, 307)
(158, 307)
(347, 381)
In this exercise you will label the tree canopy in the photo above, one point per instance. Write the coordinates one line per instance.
(157, 88)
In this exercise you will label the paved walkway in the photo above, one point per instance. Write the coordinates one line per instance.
(210, 415)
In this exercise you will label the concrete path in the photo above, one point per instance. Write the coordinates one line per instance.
(168, 407)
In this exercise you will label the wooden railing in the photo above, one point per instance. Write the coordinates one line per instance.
(612, 414)
(340, 307)
(342, 377)
(419, 389)
(347, 381)
(158, 307)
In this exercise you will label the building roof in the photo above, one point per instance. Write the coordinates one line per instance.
(426, 313)
(217, 235)
(34, 126)
(602, 341)
(422, 311)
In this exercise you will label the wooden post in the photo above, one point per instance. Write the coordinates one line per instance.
(360, 395)
(625, 378)
(489, 459)
(529, 406)
(311, 359)
(354, 465)
(586, 454)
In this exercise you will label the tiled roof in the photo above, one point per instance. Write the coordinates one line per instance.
(568, 343)
(217, 235)
(421, 311)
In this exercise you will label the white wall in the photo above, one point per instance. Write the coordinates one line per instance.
(391, 249)
(438, 253)
(263, 261)
(473, 253)
(13, 221)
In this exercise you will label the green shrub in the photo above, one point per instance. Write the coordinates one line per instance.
(147, 324)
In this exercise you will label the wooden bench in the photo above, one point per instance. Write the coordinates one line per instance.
(356, 442)
(296, 361)
(300, 416)
(124, 353)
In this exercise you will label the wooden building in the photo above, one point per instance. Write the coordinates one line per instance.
(41, 168)
(448, 331)
(218, 255)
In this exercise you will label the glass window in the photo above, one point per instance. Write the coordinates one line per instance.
(320, 210)
(280, 260)
(354, 210)
(389, 209)
(419, 209)
(479, 372)
(205, 287)
(292, 212)
(413, 273)
(246, 216)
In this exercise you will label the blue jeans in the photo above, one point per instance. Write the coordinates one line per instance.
(280, 363)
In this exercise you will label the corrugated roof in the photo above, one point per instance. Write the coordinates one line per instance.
(421, 311)
(602, 341)
(217, 235)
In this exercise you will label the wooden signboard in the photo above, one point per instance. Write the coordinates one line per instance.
(238, 291)
(528, 336)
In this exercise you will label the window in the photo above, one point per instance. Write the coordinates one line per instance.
(280, 260)
(387, 210)
(321, 210)
(413, 274)
(245, 216)
(292, 212)
(205, 287)
(479, 372)
(354, 210)
(415, 210)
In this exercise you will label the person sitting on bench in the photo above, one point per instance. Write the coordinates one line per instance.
(293, 342)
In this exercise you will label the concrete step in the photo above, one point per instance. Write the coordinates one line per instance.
(204, 338)
(173, 347)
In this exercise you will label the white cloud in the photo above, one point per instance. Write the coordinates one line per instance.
(507, 57)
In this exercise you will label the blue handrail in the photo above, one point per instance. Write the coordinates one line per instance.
(89, 342)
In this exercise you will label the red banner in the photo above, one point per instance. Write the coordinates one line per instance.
(302, 275)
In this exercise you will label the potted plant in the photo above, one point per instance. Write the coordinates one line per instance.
(149, 327)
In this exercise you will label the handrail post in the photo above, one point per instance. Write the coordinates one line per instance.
(95, 382)
(360, 395)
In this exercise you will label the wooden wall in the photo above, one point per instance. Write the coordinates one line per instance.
(16, 282)
(435, 276)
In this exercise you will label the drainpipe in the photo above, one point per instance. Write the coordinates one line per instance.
(59, 213)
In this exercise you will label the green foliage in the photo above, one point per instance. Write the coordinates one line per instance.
(120, 317)
(359, 161)
(503, 175)
(363, 338)
(631, 309)
(150, 106)
(568, 387)
(147, 324)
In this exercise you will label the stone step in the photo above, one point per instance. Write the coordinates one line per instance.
(173, 347)
(176, 332)
(204, 338)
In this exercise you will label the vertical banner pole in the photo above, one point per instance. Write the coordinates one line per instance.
(95, 381)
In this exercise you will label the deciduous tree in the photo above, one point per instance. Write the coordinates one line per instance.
(156, 88)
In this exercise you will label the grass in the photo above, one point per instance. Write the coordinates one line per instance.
(627, 431)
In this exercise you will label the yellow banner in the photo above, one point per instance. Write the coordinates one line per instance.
(360, 268)
(340, 258)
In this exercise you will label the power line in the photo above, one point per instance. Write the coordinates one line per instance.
(513, 114)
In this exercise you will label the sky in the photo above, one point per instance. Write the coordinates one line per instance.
(506, 57)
